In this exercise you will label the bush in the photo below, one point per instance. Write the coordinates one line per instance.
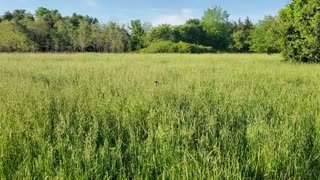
(171, 47)
(300, 31)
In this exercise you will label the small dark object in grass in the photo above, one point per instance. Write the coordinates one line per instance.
(156, 82)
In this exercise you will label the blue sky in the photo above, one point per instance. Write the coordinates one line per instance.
(154, 11)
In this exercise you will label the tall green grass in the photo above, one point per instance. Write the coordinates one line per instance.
(98, 116)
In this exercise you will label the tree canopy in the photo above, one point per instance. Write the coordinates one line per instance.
(300, 22)
(264, 38)
(294, 32)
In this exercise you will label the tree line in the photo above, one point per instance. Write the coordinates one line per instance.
(294, 32)
(49, 31)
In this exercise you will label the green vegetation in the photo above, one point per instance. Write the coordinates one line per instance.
(265, 37)
(13, 39)
(300, 23)
(49, 31)
(215, 22)
(130, 116)
(294, 32)
(171, 47)
(241, 36)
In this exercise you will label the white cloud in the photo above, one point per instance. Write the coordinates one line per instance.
(174, 19)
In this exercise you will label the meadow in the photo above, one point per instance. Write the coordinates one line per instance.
(161, 116)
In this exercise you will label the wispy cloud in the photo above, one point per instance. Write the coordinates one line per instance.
(174, 19)
(90, 3)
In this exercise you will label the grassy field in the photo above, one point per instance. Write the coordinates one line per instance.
(94, 116)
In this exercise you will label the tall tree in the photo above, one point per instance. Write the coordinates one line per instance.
(62, 36)
(12, 38)
(116, 38)
(20, 14)
(264, 38)
(84, 33)
(40, 33)
(241, 35)
(137, 36)
(7, 16)
(215, 22)
(300, 25)
(191, 32)
(163, 32)
(97, 37)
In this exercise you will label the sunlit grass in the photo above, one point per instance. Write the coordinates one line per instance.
(93, 116)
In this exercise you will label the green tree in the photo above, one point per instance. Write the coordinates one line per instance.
(163, 32)
(7, 16)
(115, 37)
(300, 30)
(12, 38)
(137, 36)
(20, 14)
(40, 34)
(241, 35)
(51, 16)
(215, 22)
(62, 36)
(264, 38)
(191, 32)
(84, 32)
(97, 37)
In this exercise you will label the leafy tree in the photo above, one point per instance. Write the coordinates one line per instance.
(62, 36)
(300, 27)
(12, 38)
(137, 36)
(97, 37)
(51, 16)
(75, 19)
(7, 16)
(191, 32)
(215, 22)
(20, 14)
(163, 32)
(116, 38)
(84, 32)
(264, 38)
(41, 11)
(241, 34)
(40, 34)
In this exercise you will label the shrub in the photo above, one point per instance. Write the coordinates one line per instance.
(171, 47)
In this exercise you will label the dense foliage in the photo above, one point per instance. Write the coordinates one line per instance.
(216, 23)
(265, 36)
(48, 31)
(300, 21)
(171, 47)
(12, 38)
(241, 36)
(294, 31)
